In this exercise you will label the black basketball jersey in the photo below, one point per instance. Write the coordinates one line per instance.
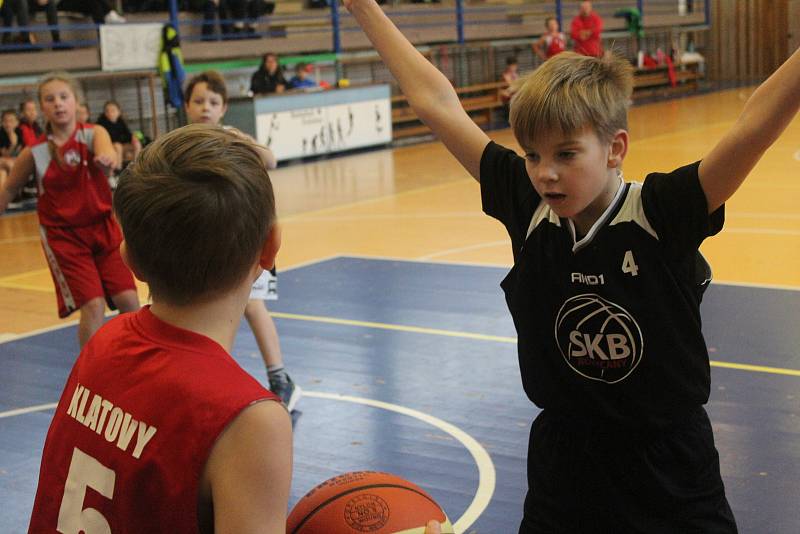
(608, 324)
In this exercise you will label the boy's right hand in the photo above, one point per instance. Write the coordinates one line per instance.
(433, 527)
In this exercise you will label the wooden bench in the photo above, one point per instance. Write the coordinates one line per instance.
(655, 81)
(479, 101)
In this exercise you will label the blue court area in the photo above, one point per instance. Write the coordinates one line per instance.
(411, 368)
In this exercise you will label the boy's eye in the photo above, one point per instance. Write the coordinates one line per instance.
(532, 157)
(566, 154)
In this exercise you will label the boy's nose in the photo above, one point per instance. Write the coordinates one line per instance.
(545, 173)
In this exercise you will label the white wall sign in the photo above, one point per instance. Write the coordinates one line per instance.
(130, 46)
(325, 129)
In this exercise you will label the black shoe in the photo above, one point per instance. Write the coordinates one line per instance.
(287, 391)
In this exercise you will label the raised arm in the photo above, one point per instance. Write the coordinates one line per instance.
(766, 115)
(22, 169)
(428, 91)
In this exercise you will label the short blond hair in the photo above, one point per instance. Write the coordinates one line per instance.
(195, 208)
(569, 92)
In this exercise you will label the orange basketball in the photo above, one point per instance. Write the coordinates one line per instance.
(365, 501)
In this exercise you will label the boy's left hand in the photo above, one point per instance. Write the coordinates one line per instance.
(106, 162)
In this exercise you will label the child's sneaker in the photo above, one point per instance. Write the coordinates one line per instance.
(284, 388)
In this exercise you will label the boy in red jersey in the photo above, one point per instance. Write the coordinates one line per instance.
(156, 417)
(79, 236)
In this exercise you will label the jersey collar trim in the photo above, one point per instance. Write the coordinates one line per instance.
(607, 215)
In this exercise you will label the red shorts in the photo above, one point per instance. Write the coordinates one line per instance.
(85, 263)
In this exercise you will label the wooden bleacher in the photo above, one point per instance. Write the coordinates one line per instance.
(481, 100)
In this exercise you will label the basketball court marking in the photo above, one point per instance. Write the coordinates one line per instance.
(29, 409)
(24, 239)
(478, 246)
(486, 471)
(299, 217)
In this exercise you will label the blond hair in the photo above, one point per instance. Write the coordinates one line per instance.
(59, 76)
(569, 92)
(195, 208)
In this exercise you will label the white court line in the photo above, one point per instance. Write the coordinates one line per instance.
(767, 231)
(504, 242)
(6, 337)
(387, 216)
(431, 262)
(762, 215)
(29, 409)
(486, 472)
(19, 240)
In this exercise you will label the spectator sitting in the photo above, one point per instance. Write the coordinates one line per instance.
(301, 79)
(82, 114)
(126, 144)
(49, 7)
(10, 142)
(29, 123)
(509, 76)
(100, 10)
(269, 76)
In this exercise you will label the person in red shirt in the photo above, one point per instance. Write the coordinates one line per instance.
(29, 122)
(79, 236)
(585, 31)
(157, 419)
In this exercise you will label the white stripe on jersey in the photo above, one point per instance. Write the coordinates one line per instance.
(633, 211)
(542, 213)
(66, 293)
(41, 159)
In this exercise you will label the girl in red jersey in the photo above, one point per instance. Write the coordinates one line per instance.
(79, 236)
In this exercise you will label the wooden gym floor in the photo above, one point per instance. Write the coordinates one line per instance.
(390, 306)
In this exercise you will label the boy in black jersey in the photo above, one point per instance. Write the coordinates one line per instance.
(606, 284)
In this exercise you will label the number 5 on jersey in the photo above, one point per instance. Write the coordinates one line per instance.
(84, 472)
(629, 264)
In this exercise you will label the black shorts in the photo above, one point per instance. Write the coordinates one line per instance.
(601, 479)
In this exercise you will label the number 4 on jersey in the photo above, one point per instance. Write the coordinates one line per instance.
(629, 264)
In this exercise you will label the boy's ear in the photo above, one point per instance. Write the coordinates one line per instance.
(618, 149)
(271, 246)
(126, 259)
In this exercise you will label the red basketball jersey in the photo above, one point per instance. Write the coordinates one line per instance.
(556, 43)
(73, 190)
(142, 408)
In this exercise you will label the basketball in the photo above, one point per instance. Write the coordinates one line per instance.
(366, 501)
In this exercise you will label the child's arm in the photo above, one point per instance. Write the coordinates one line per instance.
(104, 154)
(249, 472)
(765, 116)
(428, 91)
(537, 48)
(22, 169)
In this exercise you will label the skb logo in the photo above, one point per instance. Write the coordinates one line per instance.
(598, 339)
